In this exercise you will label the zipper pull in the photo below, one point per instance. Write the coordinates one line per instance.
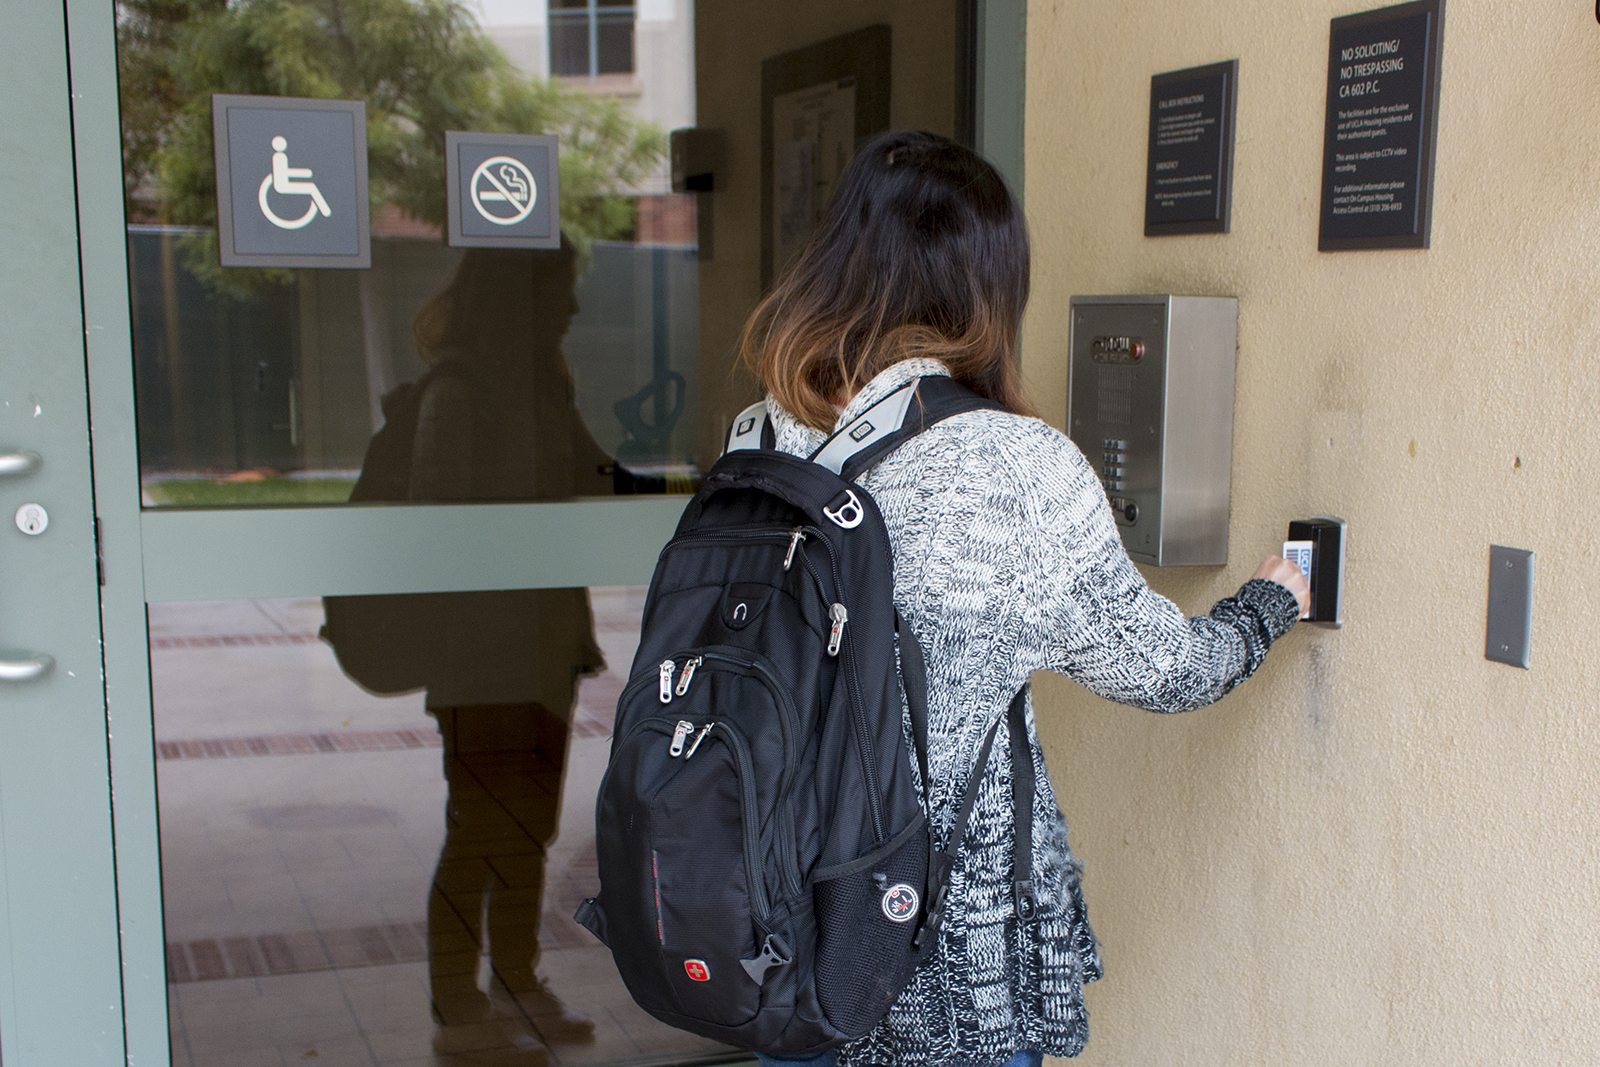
(699, 737)
(677, 737)
(667, 667)
(836, 635)
(688, 672)
(794, 542)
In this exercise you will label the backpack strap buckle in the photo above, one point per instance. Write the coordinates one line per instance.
(774, 953)
(933, 919)
(845, 510)
(1027, 902)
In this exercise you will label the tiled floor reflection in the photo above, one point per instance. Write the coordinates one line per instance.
(309, 916)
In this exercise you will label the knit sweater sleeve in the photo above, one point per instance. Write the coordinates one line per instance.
(1097, 620)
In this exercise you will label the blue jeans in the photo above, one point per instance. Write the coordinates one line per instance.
(1025, 1058)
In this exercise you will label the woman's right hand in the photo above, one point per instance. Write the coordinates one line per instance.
(1277, 569)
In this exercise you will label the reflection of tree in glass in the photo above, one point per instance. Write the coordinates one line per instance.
(422, 66)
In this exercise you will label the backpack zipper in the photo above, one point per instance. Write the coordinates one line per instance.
(836, 635)
(788, 867)
(747, 791)
(788, 717)
(699, 737)
(869, 762)
(678, 734)
(795, 537)
(775, 534)
(688, 673)
(789, 720)
(858, 715)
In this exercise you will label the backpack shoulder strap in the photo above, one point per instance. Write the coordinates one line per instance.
(752, 428)
(855, 447)
(1022, 791)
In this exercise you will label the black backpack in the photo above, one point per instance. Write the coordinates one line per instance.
(768, 876)
(401, 642)
(390, 643)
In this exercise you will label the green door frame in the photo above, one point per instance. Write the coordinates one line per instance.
(60, 1000)
(999, 76)
(87, 918)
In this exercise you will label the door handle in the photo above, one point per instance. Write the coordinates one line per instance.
(36, 666)
(19, 462)
(26, 670)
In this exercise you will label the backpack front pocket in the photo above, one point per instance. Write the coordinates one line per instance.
(684, 892)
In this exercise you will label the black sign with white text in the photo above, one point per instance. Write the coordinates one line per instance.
(1382, 115)
(1189, 179)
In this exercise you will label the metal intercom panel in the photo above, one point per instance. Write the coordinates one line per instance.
(1150, 403)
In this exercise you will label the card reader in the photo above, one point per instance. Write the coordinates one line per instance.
(1317, 546)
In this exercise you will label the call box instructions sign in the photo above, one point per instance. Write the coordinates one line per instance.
(291, 182)
(1188, 187)
(503, 190)
(1382, 114)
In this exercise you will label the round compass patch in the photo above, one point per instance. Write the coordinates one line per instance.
(900, 903)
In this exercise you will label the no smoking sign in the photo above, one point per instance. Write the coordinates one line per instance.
(502, 190)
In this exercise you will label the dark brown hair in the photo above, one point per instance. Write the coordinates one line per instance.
(492, 300)
(922, 252)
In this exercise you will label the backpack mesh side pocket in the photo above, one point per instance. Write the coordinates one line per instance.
(867, 914)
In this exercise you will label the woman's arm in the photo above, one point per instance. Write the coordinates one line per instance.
(1101, 624)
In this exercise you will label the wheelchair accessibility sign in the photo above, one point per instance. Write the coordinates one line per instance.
(291, 182)
(502, 190)
(285, 181)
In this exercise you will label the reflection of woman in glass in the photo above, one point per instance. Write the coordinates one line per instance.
(496, 420)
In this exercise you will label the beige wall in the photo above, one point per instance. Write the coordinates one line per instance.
(732, 37)
(1383, 848)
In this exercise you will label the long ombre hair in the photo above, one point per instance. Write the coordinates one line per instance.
(922, 252)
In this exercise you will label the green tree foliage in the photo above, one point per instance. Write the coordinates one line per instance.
(421, 66)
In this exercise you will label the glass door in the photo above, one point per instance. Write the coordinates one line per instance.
(414, 346)
(385, 457)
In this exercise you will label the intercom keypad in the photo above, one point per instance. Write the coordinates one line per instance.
(1151, 394)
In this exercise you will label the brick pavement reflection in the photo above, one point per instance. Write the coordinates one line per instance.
(301, 826)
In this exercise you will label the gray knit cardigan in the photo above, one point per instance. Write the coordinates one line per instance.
(1007, 561)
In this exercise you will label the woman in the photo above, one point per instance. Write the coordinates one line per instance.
(1007, 561)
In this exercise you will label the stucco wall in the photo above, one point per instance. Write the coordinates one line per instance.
(732, 37)
(1382, 849)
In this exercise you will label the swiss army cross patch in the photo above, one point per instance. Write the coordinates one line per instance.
(697, 970)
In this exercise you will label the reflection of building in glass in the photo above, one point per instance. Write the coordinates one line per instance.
(591, 37)
(639, 51)
(258, 389)
(284, 381)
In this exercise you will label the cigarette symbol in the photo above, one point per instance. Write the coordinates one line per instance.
(508, 185)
